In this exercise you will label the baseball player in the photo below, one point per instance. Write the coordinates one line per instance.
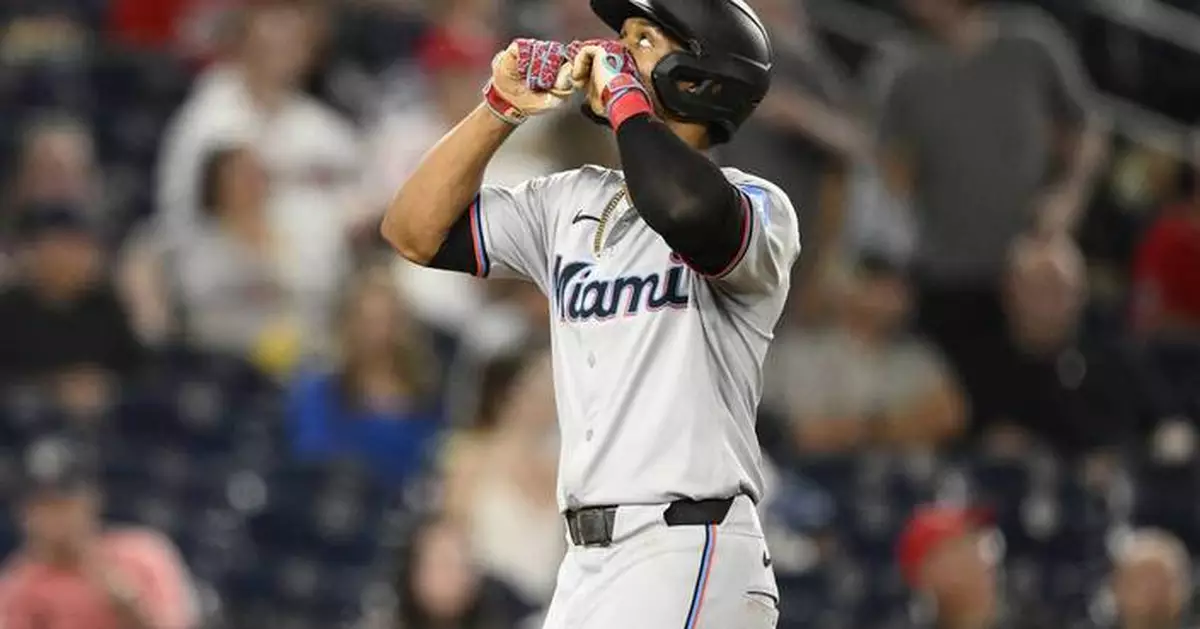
(665, 280)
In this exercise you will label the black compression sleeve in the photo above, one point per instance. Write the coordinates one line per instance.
(682, 195)
(458, 250)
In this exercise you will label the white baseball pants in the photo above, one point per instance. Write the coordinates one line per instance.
(655, 576)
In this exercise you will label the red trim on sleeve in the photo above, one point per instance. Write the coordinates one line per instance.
(482, 264)
(747, 233)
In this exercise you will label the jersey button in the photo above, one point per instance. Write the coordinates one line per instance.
(588, 435)
(591, 360)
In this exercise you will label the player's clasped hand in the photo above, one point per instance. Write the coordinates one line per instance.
(544, 65)
(529, 77)
(608, 73)
(533, 76)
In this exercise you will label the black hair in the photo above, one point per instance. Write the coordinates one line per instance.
(36, 219)
(412, 353)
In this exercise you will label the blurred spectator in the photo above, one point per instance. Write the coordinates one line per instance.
(502, 488)
(984, 129)
(476, 20)
(62, 316)
(71, 572)
(1166, 289)
(865, 382)
(1152, 581)
(1076, 392)
(191, 29)
(946, 554)
(517, 318)
(511, 325)
(805, 134)
(453, 68)
(455, 60)
(986, 110)
(225, 277)
(562, 19)
(56, 164)
(42, 33)
(311, 154)
(381, 403)
(439, 587)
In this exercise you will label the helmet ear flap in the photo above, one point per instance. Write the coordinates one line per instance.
(722, 74)
(718, 99)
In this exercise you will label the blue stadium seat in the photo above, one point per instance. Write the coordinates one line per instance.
(333, 510)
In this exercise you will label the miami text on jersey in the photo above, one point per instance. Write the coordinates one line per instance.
(580, 296)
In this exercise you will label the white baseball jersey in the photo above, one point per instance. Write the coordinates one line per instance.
(657, 368)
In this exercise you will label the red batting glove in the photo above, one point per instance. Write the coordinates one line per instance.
(609, 45)
(539, 62)
(621, 91)
(528, 77)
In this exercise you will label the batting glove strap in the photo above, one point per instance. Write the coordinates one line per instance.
(624, 97)
(500, 107)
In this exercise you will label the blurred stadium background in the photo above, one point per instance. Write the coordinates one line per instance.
(195, 297)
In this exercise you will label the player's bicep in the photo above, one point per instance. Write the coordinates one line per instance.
(770, 243)
(503, 233)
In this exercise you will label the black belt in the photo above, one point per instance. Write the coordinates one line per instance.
(593, 526)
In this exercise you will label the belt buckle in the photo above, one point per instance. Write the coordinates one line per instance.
(594, 527)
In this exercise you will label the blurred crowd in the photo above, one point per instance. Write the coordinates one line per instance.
(225, 403)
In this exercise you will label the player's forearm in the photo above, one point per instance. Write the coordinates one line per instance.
(443, 185)
(680, 193)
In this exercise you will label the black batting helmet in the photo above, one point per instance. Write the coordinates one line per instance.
(726, 57)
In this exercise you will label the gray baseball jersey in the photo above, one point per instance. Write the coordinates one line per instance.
(657, 368)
